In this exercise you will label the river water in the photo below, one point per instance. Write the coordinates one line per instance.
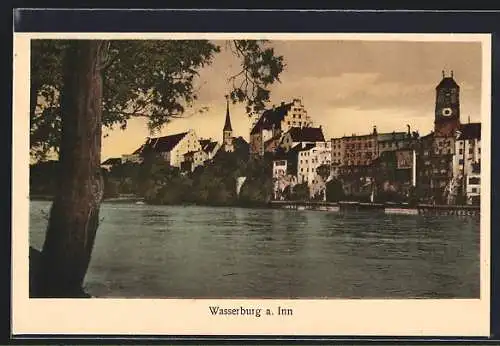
(206, 252)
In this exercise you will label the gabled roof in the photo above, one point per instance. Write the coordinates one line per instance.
(447, 83)
(306, 134)
(308, 146)
(240, 141)
(139, 150)
(164, 144)
(271, 117)
(470, 131)
(204, 142)
(112, 161)
(190, 153)
(209, 147)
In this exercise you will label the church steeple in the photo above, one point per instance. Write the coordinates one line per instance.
(227, 132)
(227, 125)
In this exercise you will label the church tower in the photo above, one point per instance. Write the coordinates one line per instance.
(227, 132)
(447, 111)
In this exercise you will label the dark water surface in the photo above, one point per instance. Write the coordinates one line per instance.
(202, 252)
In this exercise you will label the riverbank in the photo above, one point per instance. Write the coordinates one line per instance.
(133, 199)
(387, 208)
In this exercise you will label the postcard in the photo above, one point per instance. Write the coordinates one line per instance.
(251, 184)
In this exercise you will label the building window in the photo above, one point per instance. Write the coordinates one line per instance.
(461, 161)
(460, 152)
(471, 150)
(474, 190)
(474, 181)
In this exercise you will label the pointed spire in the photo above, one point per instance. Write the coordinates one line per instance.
(227, 124)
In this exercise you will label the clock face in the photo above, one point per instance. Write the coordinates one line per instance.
(447, 112)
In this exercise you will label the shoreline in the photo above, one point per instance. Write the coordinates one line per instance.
(388, 208)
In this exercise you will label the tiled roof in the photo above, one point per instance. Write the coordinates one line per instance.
(470, 131)
(204, 142)
(139, 150)
(112, 161)
(307, 134)
(240, 141)
(190, 153)
(447, 82)
(271, 117)
(209, 147)
(304, 148)
(164, 144)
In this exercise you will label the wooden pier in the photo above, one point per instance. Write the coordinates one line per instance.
(389, 208)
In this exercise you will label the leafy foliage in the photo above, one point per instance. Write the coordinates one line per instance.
(145, 78)
(300, 192)
(334, 191)
(323, 171)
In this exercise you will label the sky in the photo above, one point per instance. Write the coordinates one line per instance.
(347, 87)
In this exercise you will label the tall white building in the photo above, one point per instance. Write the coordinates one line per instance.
(312, 156)
(467, 160)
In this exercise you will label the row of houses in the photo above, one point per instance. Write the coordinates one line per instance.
(442, 166)
(185, 150)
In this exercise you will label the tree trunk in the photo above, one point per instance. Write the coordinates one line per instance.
(74, 215)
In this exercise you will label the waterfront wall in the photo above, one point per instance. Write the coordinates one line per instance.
(420, 209)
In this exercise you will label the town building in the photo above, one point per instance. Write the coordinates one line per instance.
(193, 159)
(467, 161)
(285, 171)
(276, 121)
(111, 162)
(171, 148)
(395, 140)
(439, 179)
(135, 157)
(360, 150)
(209, 147)
(310, 158)
(338, 152)
(301, 135)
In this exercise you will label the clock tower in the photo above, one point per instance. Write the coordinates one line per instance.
(447, 111)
